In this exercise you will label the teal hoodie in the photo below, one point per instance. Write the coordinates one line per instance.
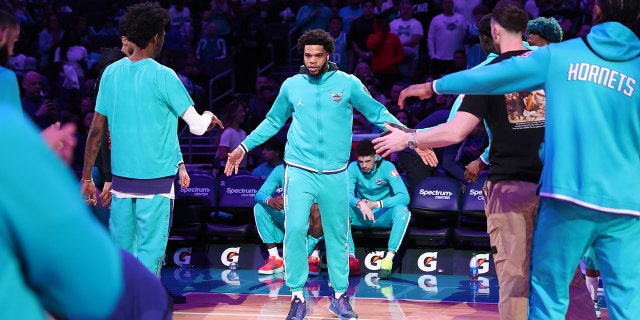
(321, 109)
(591, 153)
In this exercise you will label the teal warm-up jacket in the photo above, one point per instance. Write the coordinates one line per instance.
(591, 153)
(319, 139)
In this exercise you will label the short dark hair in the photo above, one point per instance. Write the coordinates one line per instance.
(510, 15)
(274, 144)
(547, 28)
(317, 37)
(365, 148)
(143, 21)
(622, 11)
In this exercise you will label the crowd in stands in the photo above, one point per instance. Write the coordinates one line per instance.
(388, 45)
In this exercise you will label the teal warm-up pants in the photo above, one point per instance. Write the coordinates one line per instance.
(563, 232)
(331, 191)
(270, 225)
(141, 227)
(395, 218)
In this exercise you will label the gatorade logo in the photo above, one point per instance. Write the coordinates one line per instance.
(483, 285)
(428, 261)
(182, 256)
(428, 283)
(230, 277)
(371, 279)
(373, 260)
(230, 255)
(483, 263)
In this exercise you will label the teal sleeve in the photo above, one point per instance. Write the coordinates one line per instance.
(373, 110)
(399, 194)
(173, 91)
(67, 258)
(514, 74)
(273, 182)
(353, 171)
(273, 122)
(484, 157)
(9, 90)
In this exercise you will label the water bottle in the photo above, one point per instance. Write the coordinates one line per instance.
(233, 265)
(473, 267)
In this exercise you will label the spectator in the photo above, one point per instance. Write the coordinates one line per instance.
(232, 135)
(359, 32)
(387, 53)
(39, 106)
(410, 32)
(222, 15)
(340, 56)
(314, 15)
(349, 13)
(446, 35)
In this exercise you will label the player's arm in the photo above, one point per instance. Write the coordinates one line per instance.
(400, 195)
(200, 123)
(274, 180)
(353, 171)
(370, 108)
(94, 139)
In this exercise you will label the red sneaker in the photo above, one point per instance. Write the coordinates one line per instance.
(272, 265)
(354, 266)
(314, 266)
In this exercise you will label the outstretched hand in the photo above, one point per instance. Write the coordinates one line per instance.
(61, 138)
(421, 90)
(233, 161)
(214, 122)
(428, 156)
(391, 141)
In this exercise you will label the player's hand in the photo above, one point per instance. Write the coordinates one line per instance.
(276, 203)
(428, 156)
(88, 190)
(233, 161)
(367, 214)
(393, 141)
(61, 138)
(214, 122)
(105, 195)
(183, 176)
(421, 90)
(473, 169)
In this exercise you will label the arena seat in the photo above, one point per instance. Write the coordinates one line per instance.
(234, 219)
(434, 207)
(193, 206)
(471, 232)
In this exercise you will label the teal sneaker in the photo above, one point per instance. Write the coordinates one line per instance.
(385, 268)
(298, 309)
(341, 308)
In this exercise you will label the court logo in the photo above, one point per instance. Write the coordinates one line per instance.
(428, 283)
(371, 279)
(373, 260)
(428, 261)
(230, 255)
(182, 256)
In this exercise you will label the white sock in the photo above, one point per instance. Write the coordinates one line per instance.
(390, 255)
(297, 294)
(273, 252)
(352, 255)
(592, 286)
(337, 295)
(316, 254)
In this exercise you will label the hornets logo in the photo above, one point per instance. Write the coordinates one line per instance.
(336, 97)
